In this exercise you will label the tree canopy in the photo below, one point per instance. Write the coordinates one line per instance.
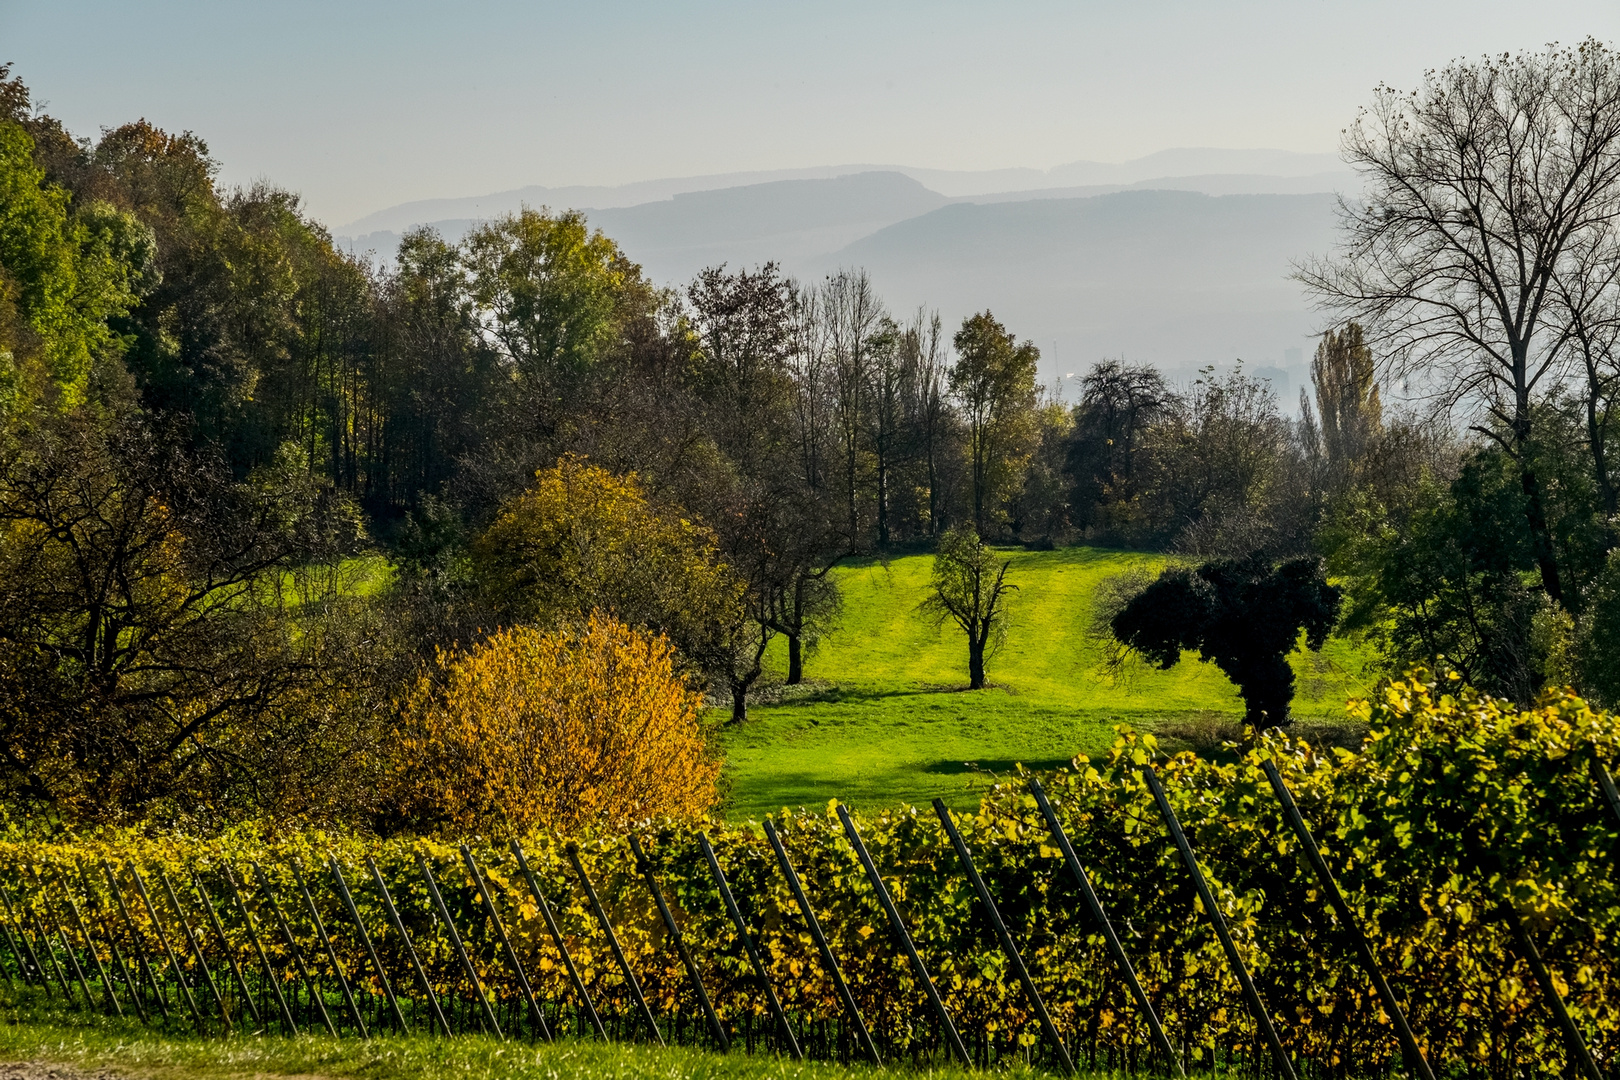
(1243, 615)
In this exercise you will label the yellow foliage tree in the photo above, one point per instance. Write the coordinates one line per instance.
(583, 539)
(587, 724)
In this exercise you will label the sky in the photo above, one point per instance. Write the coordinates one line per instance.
(359, 106)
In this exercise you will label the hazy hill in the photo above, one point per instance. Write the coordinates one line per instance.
(788, 221)
(1183, 163)
(1180, 258)
(1175, 278)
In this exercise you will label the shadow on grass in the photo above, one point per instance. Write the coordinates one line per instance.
(835, 694)
(995, 766)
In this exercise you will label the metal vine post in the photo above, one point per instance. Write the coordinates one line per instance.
(196, 949)
(1217, 921)
(1000, 927)
(135, 939)
(67, 944)
(365, 939)
(331, 953)
(50, 953)
(903, 936)
(644, 865)
(270, 975)
(583, 995)
(230, 954)
(111, 937)
(487, 895)
(163, 940)
(1116, 951)
(1573, 1042)
(89, 944)
(613, 943)
(747, 938)
(461, 950)
(11, 943)
(410, 948)
(1611, 793)
(863, 1036)
(297, 955)
(1341, 910)
(22, 933)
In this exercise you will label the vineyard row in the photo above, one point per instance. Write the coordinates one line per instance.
(696, 943)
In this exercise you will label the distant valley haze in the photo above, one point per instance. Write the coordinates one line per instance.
(1180, 258)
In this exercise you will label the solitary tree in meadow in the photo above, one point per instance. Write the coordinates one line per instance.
(1243, 614)
(971, 589)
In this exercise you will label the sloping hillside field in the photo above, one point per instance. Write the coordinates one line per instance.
(886, 718)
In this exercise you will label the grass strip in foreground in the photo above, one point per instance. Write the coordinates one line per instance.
(36, 1032)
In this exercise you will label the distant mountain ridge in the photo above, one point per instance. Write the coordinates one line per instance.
(1183, 162)
(1175, 278)
(1181, 269)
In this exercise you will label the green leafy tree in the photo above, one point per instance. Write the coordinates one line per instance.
(61, 277)
(554, 292)
(1597, 659)
(970, 588)
(1213, 461)
(1441, 569)
(994, 385)
(1347, 400)
(584, 540)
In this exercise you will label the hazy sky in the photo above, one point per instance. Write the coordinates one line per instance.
(363, 105)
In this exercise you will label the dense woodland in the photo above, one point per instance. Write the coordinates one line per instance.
(212, 415)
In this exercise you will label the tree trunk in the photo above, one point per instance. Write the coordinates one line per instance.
(1535, 512)
(1596, 439)
(795, 674)
(975, 662)
(883, 502)
(1541, 536)
(978, 493)
(854, 513)
(933, 492)
(739, 703)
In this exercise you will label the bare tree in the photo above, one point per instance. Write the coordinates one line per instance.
(926, 365)
(1589, 302)
(886, 415)
(1484, 188)
(852, 310)
(810, 360)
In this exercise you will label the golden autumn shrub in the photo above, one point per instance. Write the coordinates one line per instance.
(562, 729)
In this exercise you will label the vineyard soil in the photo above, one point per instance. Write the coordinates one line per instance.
(886, 717)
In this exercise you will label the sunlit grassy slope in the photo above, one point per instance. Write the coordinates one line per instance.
(887, 718)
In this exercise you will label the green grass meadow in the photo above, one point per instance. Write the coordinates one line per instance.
(98, 1048)
(886, 718)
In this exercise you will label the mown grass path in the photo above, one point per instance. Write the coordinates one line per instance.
(887, 718)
